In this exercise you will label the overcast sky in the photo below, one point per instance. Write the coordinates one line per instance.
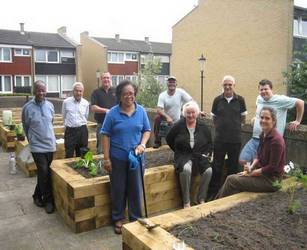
(132, 19)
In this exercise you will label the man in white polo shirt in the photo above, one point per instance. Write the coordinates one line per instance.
(75, 112)
(169, 106)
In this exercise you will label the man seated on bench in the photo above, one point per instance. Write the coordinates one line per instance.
(168, 109)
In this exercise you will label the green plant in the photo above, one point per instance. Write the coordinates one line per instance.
(19, 129)
(149, 87)
(299, 179)
(87, 163)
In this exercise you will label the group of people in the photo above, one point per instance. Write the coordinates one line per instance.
(123, 128)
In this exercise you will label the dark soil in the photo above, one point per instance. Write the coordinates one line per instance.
(260, 224)
(152, 159)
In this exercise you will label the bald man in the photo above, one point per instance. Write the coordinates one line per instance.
(75, 110)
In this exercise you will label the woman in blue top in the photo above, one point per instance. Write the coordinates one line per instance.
(126, 127)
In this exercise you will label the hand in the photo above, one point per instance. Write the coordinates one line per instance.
(107, 165)
(140, 149)
(256, 172)
(244, 173)
(293, 125)
(247, 168)
(169, 120)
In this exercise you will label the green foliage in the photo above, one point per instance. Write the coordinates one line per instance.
(149, 87)
(296, 79)
(87, 163)
(19, 129)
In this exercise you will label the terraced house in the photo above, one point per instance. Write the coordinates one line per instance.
(123, 58)
(28, 56)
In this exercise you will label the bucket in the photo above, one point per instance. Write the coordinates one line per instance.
(7, 117)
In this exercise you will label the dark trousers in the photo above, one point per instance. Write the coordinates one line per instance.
(43, 189)
(157, 122)
(220, 150)
(75, 138)
(126, 185)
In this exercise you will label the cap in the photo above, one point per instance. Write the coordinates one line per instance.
(171, 78)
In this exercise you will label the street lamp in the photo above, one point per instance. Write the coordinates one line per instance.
(202, 60)
(97, 76)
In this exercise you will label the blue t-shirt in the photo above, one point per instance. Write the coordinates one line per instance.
(125, 131)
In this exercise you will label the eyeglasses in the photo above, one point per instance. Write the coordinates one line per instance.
(128, 94)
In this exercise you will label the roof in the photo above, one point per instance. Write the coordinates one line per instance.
(135, 45)
(36, 39)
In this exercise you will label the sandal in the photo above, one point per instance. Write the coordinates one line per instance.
(118, 227)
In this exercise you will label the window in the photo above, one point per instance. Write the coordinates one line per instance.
(163, 59)
(131, 78)
(6, 84)
(116, 79)
(300, 26)
(131, 57)
(5, 55)
(67, 53)
(22, 52)
(304, 26)
(52, 82)
(48, 56)
(67, 82)
(115, 57)
(22, 81)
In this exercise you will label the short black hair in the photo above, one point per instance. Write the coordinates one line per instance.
(122, 85)
(266, 82)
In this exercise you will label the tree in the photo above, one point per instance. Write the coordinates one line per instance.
(149, 86)
(296, 79)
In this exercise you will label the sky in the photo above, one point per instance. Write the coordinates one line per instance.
(132, 19)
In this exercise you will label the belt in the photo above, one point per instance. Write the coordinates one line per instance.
(76, 128)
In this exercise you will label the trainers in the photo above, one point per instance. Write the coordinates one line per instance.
(37, 201)
(157, 145)
(49, 208)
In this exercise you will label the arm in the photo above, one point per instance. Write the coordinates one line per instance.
(25, 122)
(105, 141)
(87, 111)
(97, 109)
(63, 112)
(243, 119)
(299, 105)
(161, 112)
(141, 147)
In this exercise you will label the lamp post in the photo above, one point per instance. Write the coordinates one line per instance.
(202, 60)
(97, 76)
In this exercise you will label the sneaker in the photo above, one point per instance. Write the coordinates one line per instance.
(37, 201)
(157, 145)
(49, 208)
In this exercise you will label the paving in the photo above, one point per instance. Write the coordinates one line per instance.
(25, 226)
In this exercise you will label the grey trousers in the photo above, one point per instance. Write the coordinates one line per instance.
(185, 183)
(235, 184)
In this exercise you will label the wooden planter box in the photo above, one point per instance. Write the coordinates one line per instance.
(136, 236)
(7, 138)
(30, 169)
(85, 205)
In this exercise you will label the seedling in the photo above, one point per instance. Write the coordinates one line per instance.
(88, 163)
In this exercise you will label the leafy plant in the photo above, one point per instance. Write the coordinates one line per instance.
(299, 179)
(19, 129)
(87, 163)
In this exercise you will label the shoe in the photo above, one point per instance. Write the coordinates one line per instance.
(118, 227)
(157, 145)
(49, 208)
(37, 201)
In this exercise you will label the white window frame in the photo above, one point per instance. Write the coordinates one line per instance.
(49, 91)
(2, 55)
(131, 60)
(115, 52)
(64, 50)
(22, 52)
(2, 83)
(62, 76)
(46, 56)
(22, 80)
(300, 27)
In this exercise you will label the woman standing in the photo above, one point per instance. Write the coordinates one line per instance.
(267, 167)
(191, 141)
(126, 128)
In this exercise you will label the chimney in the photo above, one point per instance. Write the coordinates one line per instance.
(147, 39)
(22, 28)
(62, 30)
(117, 38)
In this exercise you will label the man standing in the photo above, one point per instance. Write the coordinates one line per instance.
(281, 104)
(102, 100)
(75, 110)
(229, 112)
(37, 117)
(169, 107)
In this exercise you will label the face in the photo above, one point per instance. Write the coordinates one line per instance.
(40, 92)
(78, 92)
(171, 86)
(128, 96)
(265, 91)
(266, 120)
(228, 87)
(190, 114)
(106, 80)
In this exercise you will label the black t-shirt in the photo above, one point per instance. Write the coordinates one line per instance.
(227, 118)
(103, 99)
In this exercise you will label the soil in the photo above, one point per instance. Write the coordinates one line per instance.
(260, 224)
(152, 159)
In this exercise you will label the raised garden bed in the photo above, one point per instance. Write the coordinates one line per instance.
(241, 221)
(84, 203)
